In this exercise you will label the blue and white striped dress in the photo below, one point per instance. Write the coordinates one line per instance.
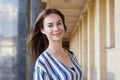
(48, 67)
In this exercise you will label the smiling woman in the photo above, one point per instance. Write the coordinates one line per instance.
(53, 28)
(53, 61)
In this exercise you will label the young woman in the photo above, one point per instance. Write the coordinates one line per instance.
(53, 62)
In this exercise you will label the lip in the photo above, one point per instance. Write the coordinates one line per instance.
(57, 33)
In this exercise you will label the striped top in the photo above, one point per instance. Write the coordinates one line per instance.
(48, 67)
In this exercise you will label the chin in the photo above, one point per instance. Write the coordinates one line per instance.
(57, 39)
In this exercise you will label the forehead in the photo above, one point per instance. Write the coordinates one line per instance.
(51, 18)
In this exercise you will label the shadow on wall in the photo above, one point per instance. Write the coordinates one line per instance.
(110, 76)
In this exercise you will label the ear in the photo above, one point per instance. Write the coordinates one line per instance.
(42, 30)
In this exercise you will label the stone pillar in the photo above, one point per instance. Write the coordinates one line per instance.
(117, 23)
(90, 7)
(28, 70)
(21, 48)
(80, 42)
(82, 46)
(77, 42)
(85, 44)
(110, 24)
(100, 39)
(36, 6)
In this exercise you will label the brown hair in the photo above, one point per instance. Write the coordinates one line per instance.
(38, 42)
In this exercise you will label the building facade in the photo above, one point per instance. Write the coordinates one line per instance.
(96, 40)
(93, 37)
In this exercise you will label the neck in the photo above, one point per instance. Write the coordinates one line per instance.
(55, 47)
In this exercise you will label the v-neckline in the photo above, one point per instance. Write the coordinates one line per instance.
(60, 63)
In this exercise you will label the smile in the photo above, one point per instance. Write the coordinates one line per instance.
(57, 34)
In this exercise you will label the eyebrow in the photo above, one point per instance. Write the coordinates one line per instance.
(57, 21)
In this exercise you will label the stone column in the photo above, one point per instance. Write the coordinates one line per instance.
(80, 42)
(82, 46)
(117, 24)
(36, 7)
(21, 47)
(110, 24)
(100, 39)
(28, 65)
(85, 44)
(77, 42)
(91, 66)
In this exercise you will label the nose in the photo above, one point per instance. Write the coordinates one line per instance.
(55, 28)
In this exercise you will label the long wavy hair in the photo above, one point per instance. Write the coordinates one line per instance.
(38, 42)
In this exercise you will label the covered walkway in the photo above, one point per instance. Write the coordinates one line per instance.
(93, 35)
(93, 28)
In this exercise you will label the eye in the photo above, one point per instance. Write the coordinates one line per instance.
(60, 23)
(50, 25)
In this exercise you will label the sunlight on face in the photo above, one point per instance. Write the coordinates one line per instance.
(53, 27)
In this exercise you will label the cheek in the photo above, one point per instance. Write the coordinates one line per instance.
(64, 29)
(47, 32)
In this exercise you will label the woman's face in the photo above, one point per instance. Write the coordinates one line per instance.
(53, 27)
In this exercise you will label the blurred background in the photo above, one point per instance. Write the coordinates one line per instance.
(93, 28)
